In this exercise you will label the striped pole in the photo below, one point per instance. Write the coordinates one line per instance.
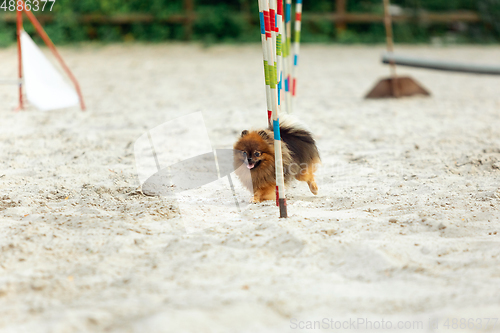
(264, 17)
(287, 59)
(271, 49)
(19, 26)
(296, 45)
(279, 49)
(280, 179)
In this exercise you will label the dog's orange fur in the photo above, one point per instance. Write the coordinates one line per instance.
(263, 182)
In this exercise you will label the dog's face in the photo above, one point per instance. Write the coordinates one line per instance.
(253, 149)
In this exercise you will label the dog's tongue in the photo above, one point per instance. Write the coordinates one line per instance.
(250, 166)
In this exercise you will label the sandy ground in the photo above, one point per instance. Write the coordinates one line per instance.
(405, 227)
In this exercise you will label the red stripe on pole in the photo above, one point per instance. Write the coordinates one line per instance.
(269, 115)
(272, 19)
(19, 54)
(294, 87)
(298, 16)
(267, 23)
(277, 196)
(280, 7)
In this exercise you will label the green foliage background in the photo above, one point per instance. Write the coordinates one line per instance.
(237, 21)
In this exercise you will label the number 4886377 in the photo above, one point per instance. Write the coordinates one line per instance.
(28, 5)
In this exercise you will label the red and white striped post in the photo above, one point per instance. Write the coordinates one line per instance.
(19, 57)
(269, 12)
(296, 46)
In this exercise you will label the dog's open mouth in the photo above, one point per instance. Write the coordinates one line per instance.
(252, 165)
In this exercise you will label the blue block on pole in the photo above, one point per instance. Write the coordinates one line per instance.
(276, 129)
(262, 25)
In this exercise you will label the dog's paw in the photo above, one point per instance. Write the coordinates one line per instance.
(314, 188)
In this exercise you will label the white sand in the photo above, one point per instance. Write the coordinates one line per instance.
(406, 225)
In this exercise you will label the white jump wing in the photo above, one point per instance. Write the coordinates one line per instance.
(44, 85)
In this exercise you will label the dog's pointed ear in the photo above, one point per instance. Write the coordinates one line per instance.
(245, 132)
(263, 134)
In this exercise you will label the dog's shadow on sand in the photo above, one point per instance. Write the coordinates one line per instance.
(306, 198)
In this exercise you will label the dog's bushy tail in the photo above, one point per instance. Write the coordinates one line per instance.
(299, 140)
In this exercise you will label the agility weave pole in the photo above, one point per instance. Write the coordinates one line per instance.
(279, 49)
(263, 37)
(287, 59)
(49, 44)
(19, 26)
(278, 157)
(268, 11)
(296, 47)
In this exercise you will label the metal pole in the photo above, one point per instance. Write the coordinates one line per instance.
(442, 65)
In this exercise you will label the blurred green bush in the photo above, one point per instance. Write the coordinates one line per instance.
(237, 21)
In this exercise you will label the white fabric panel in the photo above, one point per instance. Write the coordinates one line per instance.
(45, 87)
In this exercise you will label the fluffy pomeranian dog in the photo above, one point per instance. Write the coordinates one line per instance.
(255, 149)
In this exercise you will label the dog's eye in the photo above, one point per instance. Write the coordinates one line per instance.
(257, 154)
